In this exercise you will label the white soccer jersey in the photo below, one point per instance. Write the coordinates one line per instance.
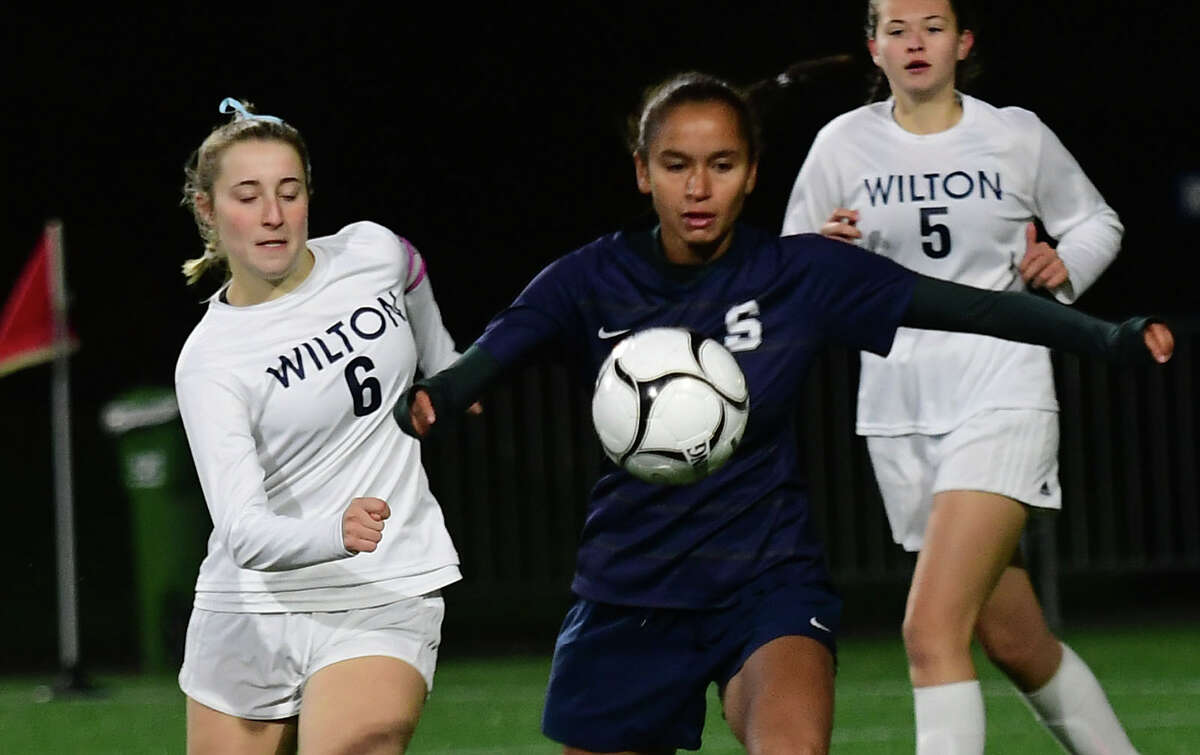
(287, 406)
(954, 205)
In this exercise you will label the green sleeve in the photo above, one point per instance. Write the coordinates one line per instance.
(452, 390)
(942, 305)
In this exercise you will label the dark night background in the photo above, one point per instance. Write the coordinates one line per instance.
(492, 139)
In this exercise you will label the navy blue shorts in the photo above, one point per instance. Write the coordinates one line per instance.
(628, 678)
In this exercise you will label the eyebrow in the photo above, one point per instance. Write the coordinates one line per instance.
(935, 16)
(256, 182)
(685, 156)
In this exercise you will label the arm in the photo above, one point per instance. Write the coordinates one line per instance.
(545, 310)
(942, 305)
(447, 393)
(816, 195)
(218, 429)
(1088, 230)
(435, 347)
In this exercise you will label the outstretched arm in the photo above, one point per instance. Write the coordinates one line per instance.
(942, 305)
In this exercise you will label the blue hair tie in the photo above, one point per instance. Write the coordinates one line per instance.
(230, 105)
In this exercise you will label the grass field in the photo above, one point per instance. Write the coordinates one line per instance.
(492, 706)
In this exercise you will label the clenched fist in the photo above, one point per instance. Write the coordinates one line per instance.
(362, 524)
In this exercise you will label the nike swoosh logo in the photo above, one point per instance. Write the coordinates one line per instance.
(818, 624)
(612, 333)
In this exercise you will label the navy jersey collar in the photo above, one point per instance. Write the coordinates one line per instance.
(646, 241)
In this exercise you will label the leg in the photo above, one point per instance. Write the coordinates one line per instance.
(970, 538)
(210, 732)
(1059, 686)
(363, 705)
(781, 701)
(1014, 634)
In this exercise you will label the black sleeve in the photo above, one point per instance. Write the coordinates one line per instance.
(450, 391)
(942, 305)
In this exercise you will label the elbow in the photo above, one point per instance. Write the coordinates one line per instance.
(248, 552)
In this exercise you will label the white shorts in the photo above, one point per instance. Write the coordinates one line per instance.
(1012, 452)
(255, 665)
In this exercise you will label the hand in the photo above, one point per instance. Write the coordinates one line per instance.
(1041, 267)
(1160, 341)
(362, 524)
(476, 408)
(420, 413)
(842, 226)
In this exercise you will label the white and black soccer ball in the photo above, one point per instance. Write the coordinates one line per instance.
(670, 405)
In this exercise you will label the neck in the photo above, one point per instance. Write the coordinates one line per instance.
(678, 252)
(928, 115)
(245, 291)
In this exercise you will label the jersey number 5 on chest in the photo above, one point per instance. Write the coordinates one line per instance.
(930, 231)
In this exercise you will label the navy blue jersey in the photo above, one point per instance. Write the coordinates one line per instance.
(775, 303)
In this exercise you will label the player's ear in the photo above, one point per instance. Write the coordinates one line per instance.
(204, 206)
(752, 177)
(643, 173)
(966, 40)
(871, 48)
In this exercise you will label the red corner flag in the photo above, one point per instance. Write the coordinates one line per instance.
(27, 331)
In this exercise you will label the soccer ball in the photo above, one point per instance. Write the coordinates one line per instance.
(670, 405)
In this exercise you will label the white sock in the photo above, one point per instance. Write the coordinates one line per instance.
(1073, 707)
(950, 718)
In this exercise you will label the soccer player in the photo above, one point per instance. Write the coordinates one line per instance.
(963, 430)
(724, 580)
(311, 621)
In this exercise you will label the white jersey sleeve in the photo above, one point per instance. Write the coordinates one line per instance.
(217, 421)
(817, 190)
(1088, 230)
(435, 347)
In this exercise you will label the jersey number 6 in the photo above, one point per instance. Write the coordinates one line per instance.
(366, 392)
(939, 229)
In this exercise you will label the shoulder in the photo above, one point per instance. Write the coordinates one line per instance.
(812, 255)
(202, 351)
(597, 252)
(1019, 120)
(583, 267)
(363, 234)
(850, 124)
(364, 246)
(812, 248)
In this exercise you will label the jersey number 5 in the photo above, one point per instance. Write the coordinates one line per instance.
(928, 228)
(366, 392)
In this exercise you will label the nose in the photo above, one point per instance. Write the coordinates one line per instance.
(272, 214)
(699, 185)
(916, 42)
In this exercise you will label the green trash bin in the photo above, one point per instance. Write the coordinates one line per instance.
(169, 520)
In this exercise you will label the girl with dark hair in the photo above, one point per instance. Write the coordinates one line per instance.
(963, 430)
(723, 581)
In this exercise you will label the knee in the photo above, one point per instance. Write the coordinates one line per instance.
(926, 641)
(918, 642)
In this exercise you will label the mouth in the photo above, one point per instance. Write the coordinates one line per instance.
(917, 66)
(697, 221)
(272, 243)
